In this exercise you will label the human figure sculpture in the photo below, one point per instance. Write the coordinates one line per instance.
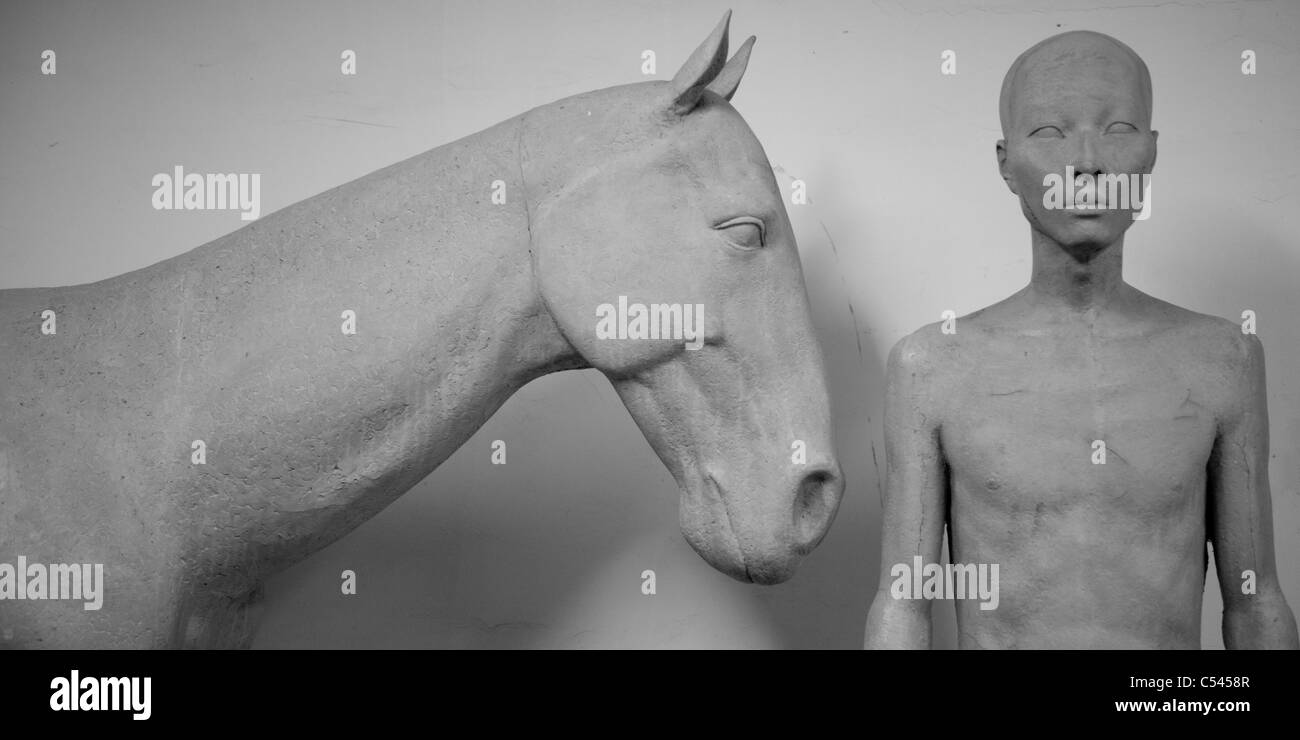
(653, 194)
(1083, 437)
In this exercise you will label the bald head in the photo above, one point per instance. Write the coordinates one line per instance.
(1044, 64)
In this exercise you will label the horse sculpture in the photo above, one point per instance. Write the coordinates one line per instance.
(201, 423)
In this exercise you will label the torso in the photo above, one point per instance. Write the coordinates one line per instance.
(1090, 554)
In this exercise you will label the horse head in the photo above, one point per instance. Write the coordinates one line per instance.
(662, 249)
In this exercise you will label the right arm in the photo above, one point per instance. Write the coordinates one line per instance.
(916, 494)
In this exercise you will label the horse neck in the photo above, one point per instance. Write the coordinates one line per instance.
(454, 223)
(562, 142)
(448, 326)
(448, 320)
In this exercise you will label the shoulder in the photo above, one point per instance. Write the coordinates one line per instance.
(1227, 347)
(916, 379)
(1233, 366)
(942, 353)
(920, 353)
(926, 367)
(1224, 358)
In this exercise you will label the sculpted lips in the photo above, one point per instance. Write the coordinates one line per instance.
(720, 502)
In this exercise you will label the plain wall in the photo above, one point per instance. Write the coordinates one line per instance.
(907, 218)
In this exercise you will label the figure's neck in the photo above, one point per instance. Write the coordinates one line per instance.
(1074, 283)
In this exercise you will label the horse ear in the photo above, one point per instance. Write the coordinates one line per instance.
(728, 79)
(700, 69)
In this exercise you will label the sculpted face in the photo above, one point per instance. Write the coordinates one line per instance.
(1082, 100)
(676, 204)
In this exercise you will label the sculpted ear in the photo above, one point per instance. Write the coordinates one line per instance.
(728, 79)
(1003, 168)
(700, 69)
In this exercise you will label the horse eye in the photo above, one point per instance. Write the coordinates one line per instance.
(745, 232)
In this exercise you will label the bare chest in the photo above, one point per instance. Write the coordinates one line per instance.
(1065, 428)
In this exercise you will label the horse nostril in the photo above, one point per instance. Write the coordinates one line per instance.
(814, 506)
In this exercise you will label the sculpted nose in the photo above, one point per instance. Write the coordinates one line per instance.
(1086, 161)
(816, 499)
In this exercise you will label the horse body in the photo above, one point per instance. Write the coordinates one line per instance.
(458, 301)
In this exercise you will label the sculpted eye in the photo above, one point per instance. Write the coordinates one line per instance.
(1121, 127)
(745, 232)
(1047, 132)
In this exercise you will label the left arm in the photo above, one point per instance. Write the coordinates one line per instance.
(1241, 518)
